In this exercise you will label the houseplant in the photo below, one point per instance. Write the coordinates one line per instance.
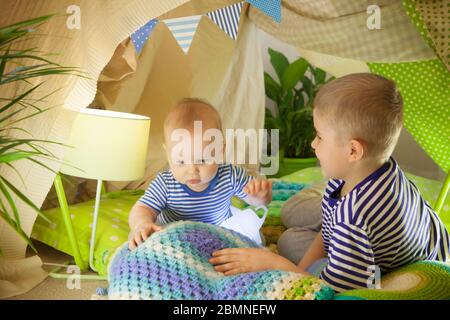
(293, 95)
(20, 67)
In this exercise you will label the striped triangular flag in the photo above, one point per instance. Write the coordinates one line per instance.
(140, 36)
(270, 7)
(183, 29)
(227, 18)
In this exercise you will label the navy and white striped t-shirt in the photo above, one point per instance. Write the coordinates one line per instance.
(175, 201)
(383, 222)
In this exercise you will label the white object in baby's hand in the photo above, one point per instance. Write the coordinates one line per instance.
(246, 222)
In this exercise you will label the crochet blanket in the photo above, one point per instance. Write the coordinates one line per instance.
(173, 264)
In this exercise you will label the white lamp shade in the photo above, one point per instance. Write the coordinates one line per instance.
(107, 145)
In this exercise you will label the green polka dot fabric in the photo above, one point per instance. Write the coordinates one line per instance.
(424, 86)
(112, 226)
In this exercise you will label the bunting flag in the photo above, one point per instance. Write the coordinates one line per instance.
(183, 29)
(140, 36)
(227, 18)
(270, 7)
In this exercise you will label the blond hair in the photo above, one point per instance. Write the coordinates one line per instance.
(366, 107)
(189, 110)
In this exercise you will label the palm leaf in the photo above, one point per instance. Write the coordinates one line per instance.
(14, 156)
(19, 98)
(15, 67)
(18, 229)
(24, 199)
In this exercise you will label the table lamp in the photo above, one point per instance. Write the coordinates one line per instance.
(103, 145)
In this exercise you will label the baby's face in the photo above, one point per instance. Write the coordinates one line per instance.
(330, 149)
(194, 169)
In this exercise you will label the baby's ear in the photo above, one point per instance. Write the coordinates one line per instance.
(164, 147)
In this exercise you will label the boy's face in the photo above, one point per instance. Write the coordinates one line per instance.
(195, 169)
(330, 149)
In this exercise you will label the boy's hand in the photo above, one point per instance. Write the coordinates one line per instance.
(141, 233)
(259, 191)
(240, 260)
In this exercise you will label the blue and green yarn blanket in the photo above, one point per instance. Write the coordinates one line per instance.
(173, 264)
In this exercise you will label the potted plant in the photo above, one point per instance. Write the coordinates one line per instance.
(293, 95)
(21, 66)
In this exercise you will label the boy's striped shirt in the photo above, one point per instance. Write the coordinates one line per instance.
(174, 201)
(383, 222)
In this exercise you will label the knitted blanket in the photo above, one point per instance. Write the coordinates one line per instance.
(173, 264)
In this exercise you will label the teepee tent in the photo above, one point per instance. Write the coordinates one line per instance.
(403, 40)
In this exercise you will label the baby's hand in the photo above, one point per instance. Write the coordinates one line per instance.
(259, 190)
(141, 233)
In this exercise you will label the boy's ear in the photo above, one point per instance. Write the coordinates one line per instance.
(357, 150)
(164, 146)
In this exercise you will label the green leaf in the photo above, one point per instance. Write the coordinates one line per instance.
(24, 199)
(293, 74)
(19, 231)
(16, 171)
(308, 88)
(43, 165)
(39, 73)
(25, 23)
(279, 62)
(12, 32)
(3, 64)
(24, 55)
(299, 100)
(23, 65)
(13, 206)
(286, 104)
(16, 155)
(19, 98)
(273, 89)
(319, 76)
(23, 118)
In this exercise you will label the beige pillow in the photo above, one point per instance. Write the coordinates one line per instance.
(304, 209)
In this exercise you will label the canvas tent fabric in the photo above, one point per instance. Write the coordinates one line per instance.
(226, 72)
(166, 74)
(339, 28)
(334, 36)
(162, 79)
(425, 85)
(432, 18)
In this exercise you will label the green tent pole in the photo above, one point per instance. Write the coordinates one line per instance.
(68, 223)
(442, 194)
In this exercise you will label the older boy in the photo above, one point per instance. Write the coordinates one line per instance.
(372, 215)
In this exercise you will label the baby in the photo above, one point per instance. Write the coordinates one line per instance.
(197, 187)
(373, 217)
